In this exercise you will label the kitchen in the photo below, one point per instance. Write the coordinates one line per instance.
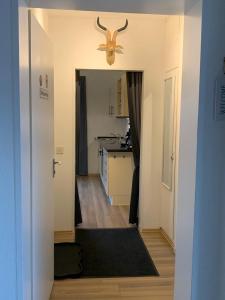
(107, 156)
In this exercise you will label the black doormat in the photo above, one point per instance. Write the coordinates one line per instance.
(68, 260)
(114, 253)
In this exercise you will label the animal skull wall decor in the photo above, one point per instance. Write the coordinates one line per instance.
(111, 47)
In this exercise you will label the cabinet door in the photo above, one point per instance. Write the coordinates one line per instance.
(120, 173)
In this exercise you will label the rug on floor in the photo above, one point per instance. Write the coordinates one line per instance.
(68, 260)
(114, 253)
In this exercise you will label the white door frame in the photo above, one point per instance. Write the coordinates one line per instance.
(169, 192)
(113, 70)
(10, 159)
(188, 150)
(10, 155)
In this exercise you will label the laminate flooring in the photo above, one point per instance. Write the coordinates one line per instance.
(140, 288)
(98, 213)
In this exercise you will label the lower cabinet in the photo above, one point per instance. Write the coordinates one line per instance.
(117, 174)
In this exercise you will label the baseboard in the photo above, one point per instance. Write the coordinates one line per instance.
(120, 200)
(167, 238)
(153, 230)
(93, 175)
(64, 236)
(64, 232)
(163, 233)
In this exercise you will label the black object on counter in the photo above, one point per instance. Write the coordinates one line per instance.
(116, 147)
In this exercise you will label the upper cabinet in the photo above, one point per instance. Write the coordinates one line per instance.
(122, 98)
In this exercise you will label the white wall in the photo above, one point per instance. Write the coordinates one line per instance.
(172, 59)
(209, 238)
(75, 40)
(101, 92)
(42, 17)
(188, 150)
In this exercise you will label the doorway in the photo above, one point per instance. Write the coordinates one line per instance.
(152, 81)
(104, 149)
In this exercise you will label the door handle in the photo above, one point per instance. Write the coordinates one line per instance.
(54, 163)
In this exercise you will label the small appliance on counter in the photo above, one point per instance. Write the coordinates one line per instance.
(127, 140)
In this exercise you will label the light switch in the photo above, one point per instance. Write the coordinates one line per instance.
(59, 150)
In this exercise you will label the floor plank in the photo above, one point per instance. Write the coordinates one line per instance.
(96, 210)
(140, 288)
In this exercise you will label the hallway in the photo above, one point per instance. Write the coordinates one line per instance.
(96, 211)
(133, 288)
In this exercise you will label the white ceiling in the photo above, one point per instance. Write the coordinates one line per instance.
(128, 6)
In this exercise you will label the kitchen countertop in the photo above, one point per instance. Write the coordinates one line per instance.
(114, 147)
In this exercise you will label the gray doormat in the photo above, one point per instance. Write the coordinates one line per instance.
(68, 260)
(114, 253)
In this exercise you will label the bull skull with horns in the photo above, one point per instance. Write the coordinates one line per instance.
(111, 47)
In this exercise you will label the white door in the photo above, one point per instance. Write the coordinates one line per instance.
(42, 140)
(169, 152)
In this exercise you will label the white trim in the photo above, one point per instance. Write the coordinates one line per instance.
(183, 283)
(132, 6)
(188, 150)
(10, 191)
(17, 146)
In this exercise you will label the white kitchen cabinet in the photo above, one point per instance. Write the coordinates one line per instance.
(122, 110)
(105, 170)
(117, 174)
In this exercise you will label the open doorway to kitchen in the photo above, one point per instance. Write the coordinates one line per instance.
(108, 129)
(104, 148)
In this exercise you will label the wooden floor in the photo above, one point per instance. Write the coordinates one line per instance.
(141, 288)
(96, 210)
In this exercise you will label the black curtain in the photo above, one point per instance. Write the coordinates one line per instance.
(81, 127)
(81, 140)
(134, 86)
(78, 215)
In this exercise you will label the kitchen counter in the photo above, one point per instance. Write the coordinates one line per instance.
(116, 172)
(115, 147)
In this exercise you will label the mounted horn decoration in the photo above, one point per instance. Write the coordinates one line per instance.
(111, 47)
